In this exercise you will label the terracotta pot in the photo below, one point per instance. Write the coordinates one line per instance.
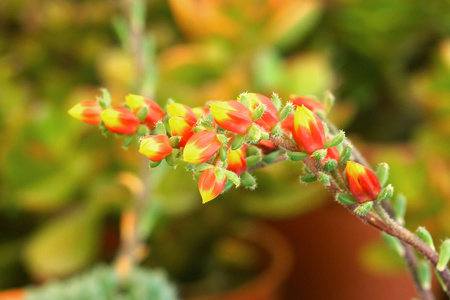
(17, 294)
(266, 285)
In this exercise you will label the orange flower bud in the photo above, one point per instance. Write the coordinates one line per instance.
(309, 103)
(154, 112)
(155, 147)
(87, 112)
(232, 115)
(120, 120)
(270, 116)
(181, 110)
(209, 186)
(308, 130)
(363, 183)
(236, 161)
(200, 147)
(181, 127)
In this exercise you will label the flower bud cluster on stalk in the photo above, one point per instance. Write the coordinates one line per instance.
(224, 141)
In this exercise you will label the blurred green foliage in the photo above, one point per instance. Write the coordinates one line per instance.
(388, 62)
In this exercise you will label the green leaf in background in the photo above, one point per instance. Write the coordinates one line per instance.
(63, 246)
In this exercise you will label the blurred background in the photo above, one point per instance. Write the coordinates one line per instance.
(63, 185)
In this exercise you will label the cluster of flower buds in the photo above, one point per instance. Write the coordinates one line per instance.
(223, 141)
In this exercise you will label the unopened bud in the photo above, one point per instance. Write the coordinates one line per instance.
(223, 154)
(330, 165)
(105, 100)
(399, 207)
(174, 140)
(424, 274)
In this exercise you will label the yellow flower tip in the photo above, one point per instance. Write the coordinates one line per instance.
(135, 101)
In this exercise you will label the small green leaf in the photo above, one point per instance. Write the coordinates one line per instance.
(324, 178)
(328, 101)
(154, 164)
(286, 111)
(233, 177)
(270, 158)
(330, 165)
(142, 131)
(424, 274)
(243, 98)
(142, 113)
(264, 135)
(277, 130)
(308, 178)
(198, 167)
(336, 140)
(254, 134)
(444, 255)
(319, 154)
(171, 159)
(105, 100)
(248, 180)
(223, 139)
(174, 140)
(382, 173)
(346, 199)
(297, 156)
(128, 140)
(276, 101)
(385, 193)
(399, 207)
(238, 142)
(252, 160)
(258, 112)
(223, 154)
(345, 155)
(160, 129)
(425, 236)
(393, 243)
(364, 208)
(219, 173)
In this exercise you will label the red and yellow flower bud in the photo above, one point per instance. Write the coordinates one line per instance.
(270, 116)
(309, 103)
(236, 160)
(363, 183)
(232, 115)
(181, 127)
(200, 147)
(155, 147)
(287, 124)
(180, 110)
(120, 120)
(209, 186)
(154, 112)
(308, 130)
(87, 111)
